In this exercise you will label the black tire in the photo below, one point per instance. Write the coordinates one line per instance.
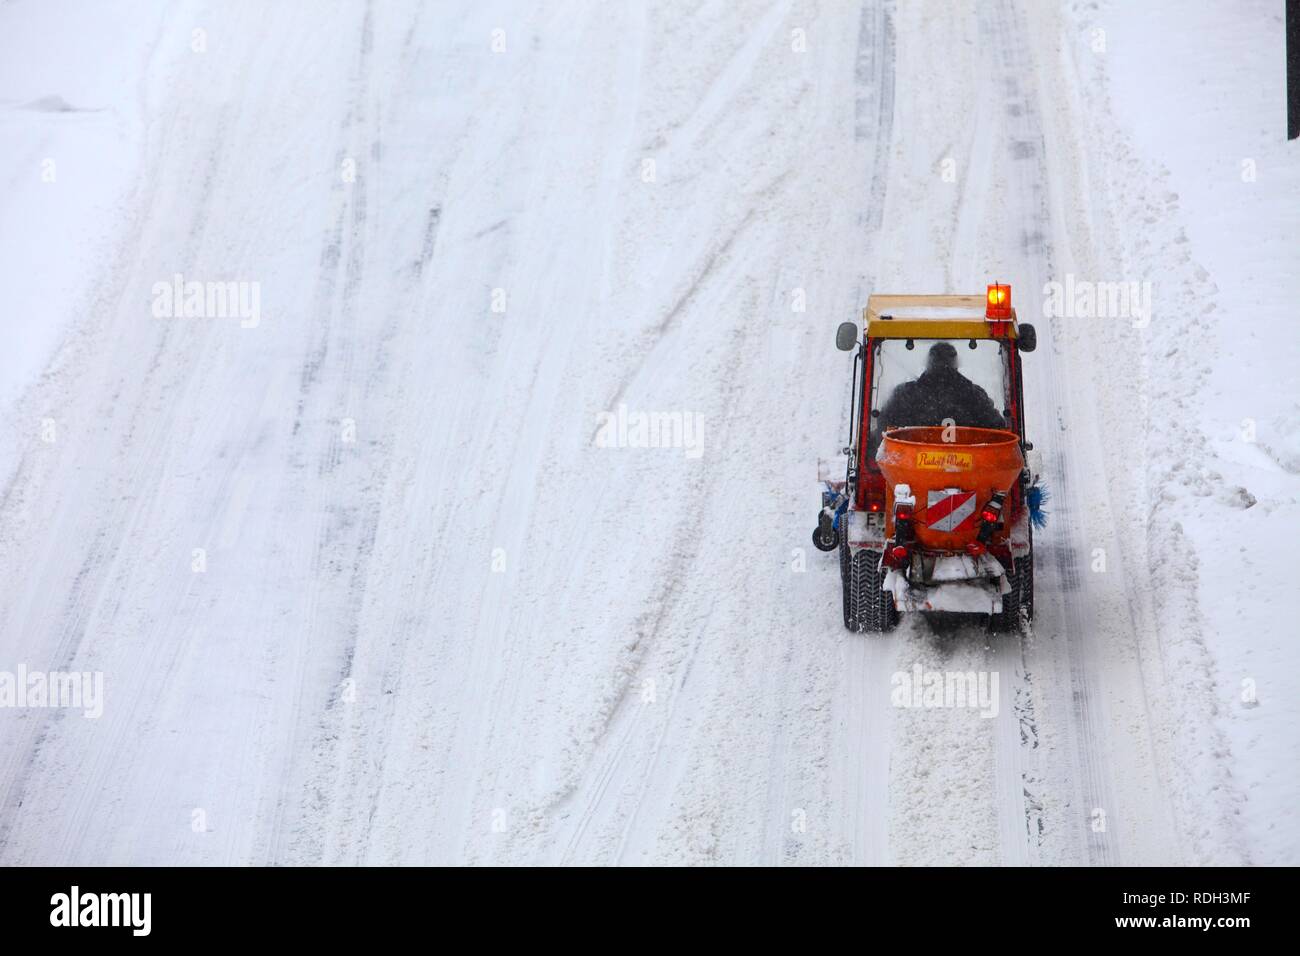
(1008, 619)
(1027, 578)
(829, 542)
(844, 583)
(867, 609)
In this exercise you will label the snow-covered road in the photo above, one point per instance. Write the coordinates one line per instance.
(366, 582)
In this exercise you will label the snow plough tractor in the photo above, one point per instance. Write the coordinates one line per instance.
(933, 503)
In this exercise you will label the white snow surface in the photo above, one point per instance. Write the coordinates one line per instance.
(1204, 106)
(364, 587)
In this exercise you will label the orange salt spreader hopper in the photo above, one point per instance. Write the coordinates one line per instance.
(935, 462)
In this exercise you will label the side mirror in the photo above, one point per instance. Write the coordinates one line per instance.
(846, 336)
(1026, 337)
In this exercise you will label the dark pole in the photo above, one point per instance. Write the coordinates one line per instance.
(1292, 69)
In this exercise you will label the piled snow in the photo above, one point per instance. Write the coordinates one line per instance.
(71, 115)
(1211, 217)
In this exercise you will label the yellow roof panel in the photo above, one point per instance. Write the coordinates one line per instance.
(930, 317)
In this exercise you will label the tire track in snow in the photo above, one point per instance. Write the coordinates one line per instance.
(1026, 214)
(1110, 807)
(86, 596)
(861, 750)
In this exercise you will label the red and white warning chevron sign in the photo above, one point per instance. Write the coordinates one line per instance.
(950, 509)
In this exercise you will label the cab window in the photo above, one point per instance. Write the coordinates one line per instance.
(928, 381)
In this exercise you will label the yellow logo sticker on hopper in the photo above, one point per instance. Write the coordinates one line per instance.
(945, 460)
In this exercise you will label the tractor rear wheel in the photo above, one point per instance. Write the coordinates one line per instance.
(867, 609)
(844, 583)
(1027, 579)
(1008, 619)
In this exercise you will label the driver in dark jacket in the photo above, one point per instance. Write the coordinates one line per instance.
(940, 393)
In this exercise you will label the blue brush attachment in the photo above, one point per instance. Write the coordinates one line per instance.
(1035, 499)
